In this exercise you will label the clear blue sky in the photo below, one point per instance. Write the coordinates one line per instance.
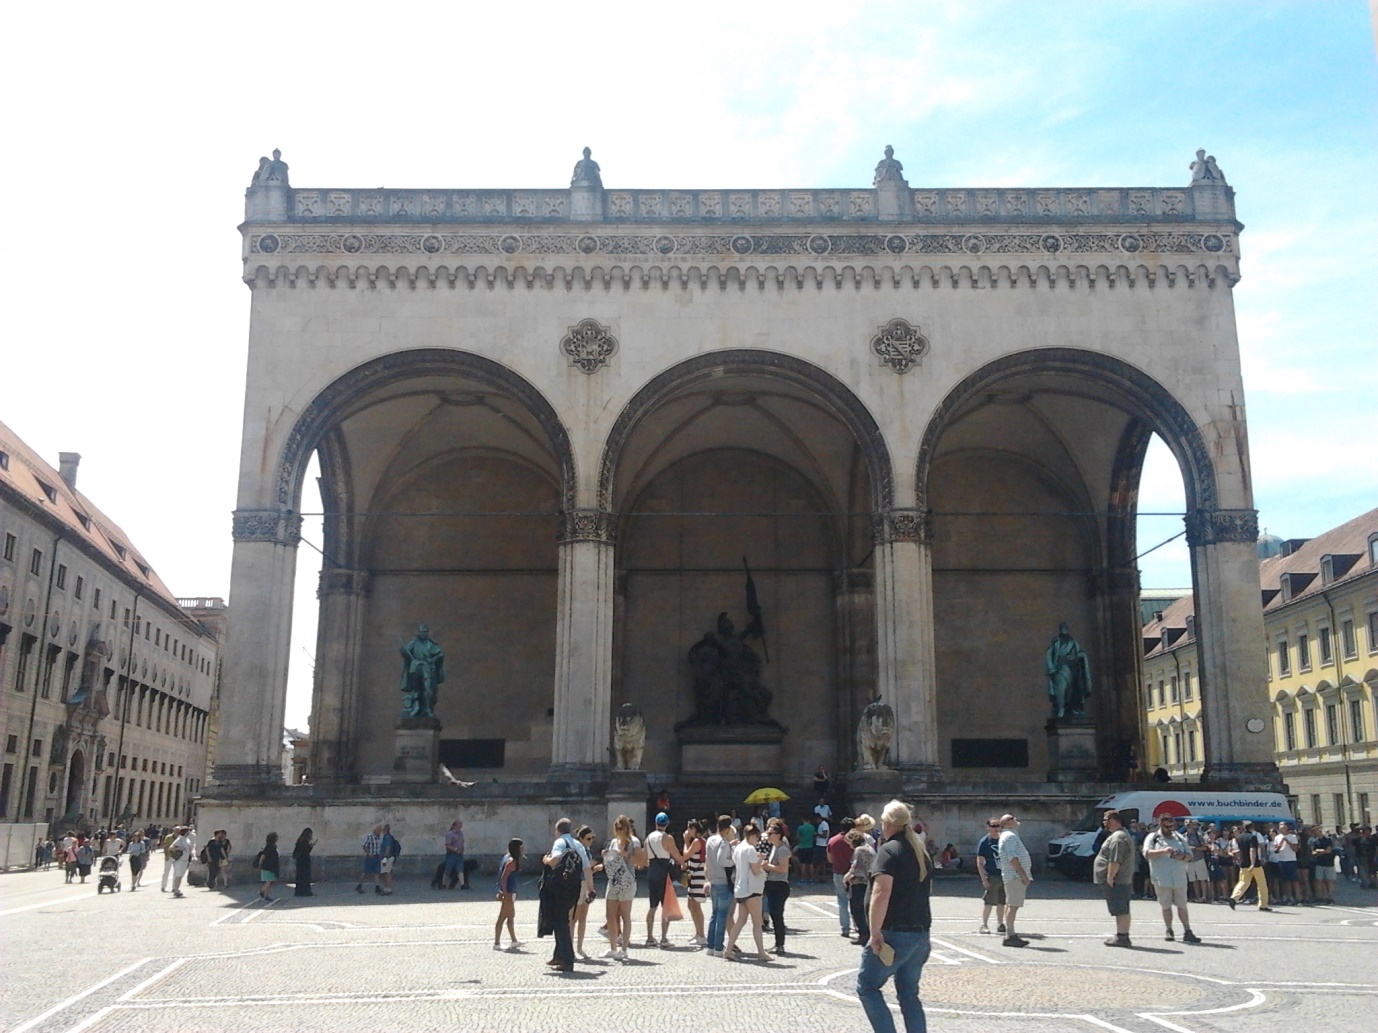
(134, 130)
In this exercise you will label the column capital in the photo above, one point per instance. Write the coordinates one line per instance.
(902, 525)
(278, 526)
(342, 582)
(588, 525)
(1214, 526)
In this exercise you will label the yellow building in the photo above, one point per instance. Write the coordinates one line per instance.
(1320, 613)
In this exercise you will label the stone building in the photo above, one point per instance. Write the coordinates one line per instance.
(106, 679)
(554, 425)
(1320, 645)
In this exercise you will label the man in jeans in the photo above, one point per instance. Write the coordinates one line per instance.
(900, 918)
(717, 861)
(839, 856)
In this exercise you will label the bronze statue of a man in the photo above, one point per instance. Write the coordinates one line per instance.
(1069, 674)
(423, 669)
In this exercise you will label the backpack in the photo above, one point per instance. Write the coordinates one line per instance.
(258, 861)
(203, 857)
(568, 875)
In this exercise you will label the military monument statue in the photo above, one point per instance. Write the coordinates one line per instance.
(1069, 674)
(728, 688)
(423, 669)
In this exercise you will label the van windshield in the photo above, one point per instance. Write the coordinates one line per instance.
(1091, 821)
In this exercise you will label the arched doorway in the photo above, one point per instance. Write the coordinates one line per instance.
(1030, 468)
(76, 780)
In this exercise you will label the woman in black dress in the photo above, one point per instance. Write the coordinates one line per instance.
(301, 854)
(269, 866)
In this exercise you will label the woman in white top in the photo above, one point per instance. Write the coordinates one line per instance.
(750, 883)
(621, 857)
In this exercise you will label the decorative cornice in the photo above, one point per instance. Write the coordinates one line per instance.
(1214, 526)
(902, 525)
(278, 526)
(587, 525)
(589, 346)
(899, 345)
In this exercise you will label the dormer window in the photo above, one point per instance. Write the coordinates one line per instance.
(1295, 583)
(1191, 626)
(1373, 550)
(119, 549)
(48, 490)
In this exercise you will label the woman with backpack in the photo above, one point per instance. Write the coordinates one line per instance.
(268, 865)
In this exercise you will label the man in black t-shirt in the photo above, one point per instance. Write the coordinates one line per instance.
(900, 919)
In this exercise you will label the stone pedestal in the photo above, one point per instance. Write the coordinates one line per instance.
(1071, 750)
(628, 792)
(730, 750)
(869, 791)
(417, 755)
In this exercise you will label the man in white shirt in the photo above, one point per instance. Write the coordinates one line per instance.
(556, 912)
(180, 853)
(1169, 853)
(1284, 853)
(1015, 871)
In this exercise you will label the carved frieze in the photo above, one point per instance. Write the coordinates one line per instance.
(279, 526)
(899, 345)
(589, 345)
(902, 525)
(1213, 526)
(587, 525)
(343, 582)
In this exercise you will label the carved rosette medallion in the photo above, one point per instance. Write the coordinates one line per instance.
(587, 525)
(278, 526)
(899, 345)
(902, 525)
(589, 345)
(1214, 526)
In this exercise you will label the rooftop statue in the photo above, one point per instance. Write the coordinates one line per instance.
(271, 171)
(889, 170)
(1204, 170)
(586, 172)
(423, 669)
(1069, 674)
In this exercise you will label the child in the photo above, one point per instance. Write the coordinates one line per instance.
(507, 895)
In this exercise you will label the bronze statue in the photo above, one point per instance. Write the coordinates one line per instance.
(423, 669)
(1069, 674)
(728, 689)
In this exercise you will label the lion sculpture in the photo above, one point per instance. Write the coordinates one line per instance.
(629, 737)
(873, 734)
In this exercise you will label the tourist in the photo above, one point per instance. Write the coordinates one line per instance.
(1366, 867)
(180, 852)
(1170, 857)
(1015, 865)
(391, 850)
(137, 851)
(992, 884)
(822, 833)
(373, 860)
(1306, 865)
(718, 870)
(821, 809)
(507, 895)
(695, 868)
(1113, 869)
(663, 856)
(805, 835)
(169, 837)
(559, 893)
(867, 824)
(777, 882)
(1217, 864)
(1198, 870)
(579, 914)
(838, 851)
(821, 783)
(857, 880)
(301, 858)
(900, 919)
(1251, 873)
(621, 857)
(453, 870)
(269, 865)
(1323, 854)
(1284, 846)
(216, 856)
(750, 875)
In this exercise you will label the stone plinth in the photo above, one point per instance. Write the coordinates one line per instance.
(869, 791)
(417, 755)
(730, 750)
(1071, 749)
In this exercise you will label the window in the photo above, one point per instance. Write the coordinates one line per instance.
(1167, 759)
(114, 608)
(4, 460)
(1191, 746)
(1174, 688)
(10, 543)
(11, 744)
(158, 637)
(36, 562)
(1309, 721)
(1365, 819)
(1327, 650)
(37, 750)
(62, 575)
(1187, 690)
(1316, 816)
(1373, 632)
(49, 661)
(95, 600)
(1373, 550)
(79, 587)
(1339, 808)
(1356, 720)
(1347, 640)
(1332, 724)
(1303, 652)
(5, 779)
(48, 490)
(1177, 746)
(26, 648)
(1162, 698)
(126, 616)
(1289, 730)
(1284, 665)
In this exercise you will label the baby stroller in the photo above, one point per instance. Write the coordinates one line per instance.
(108, 874)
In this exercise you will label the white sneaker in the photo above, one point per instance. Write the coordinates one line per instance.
(698, 941)
(611, 952)
(651, 941)
(497, 946)
(620, 955)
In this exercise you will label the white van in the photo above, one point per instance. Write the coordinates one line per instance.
(1072, 852)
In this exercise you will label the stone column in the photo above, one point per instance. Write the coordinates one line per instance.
(906, 660)
(335, 697)
(1237, 726)
(583, 646)
(1116, 694)
(254, 678)
(854, 601)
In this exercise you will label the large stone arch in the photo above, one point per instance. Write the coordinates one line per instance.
(318, 419)
(785, 368)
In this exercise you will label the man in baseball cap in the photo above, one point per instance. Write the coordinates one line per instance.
(663, 855)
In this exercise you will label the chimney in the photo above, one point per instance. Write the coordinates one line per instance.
(67, 463)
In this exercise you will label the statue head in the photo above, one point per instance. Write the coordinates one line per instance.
(725, 626)
(588, 153)
(1064, 631)
(889, 151)
(277, 154)
(423, 632)
(1200, 154)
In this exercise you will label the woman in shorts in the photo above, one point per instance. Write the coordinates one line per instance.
(269, 865)
(621, 858)
(750, 884)
(507, 895)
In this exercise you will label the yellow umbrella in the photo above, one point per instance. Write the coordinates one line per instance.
(767, 795)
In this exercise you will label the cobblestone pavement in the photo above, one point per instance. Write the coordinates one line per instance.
(421, 960)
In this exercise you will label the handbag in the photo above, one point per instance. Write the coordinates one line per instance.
(672, 912)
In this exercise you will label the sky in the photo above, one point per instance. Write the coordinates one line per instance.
(134, 129)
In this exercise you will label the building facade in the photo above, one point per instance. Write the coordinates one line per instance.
(106, 681)
(1320, 654)
(556, 425)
